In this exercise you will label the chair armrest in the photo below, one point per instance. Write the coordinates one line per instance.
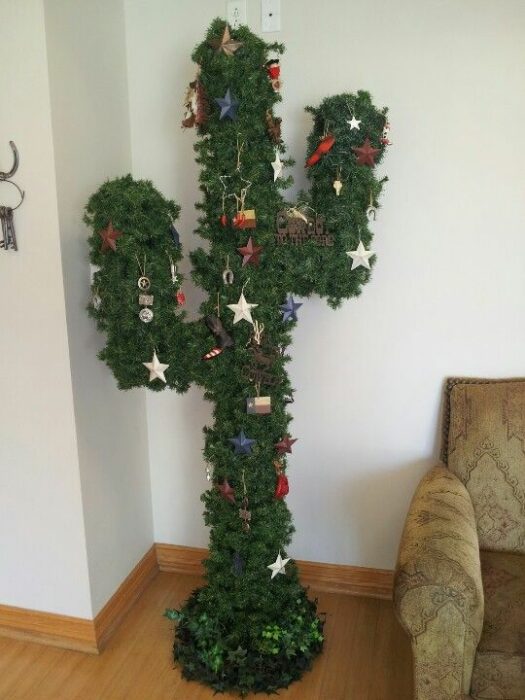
(438, 591)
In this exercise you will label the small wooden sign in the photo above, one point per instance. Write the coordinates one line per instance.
(259, 405)
(297, 230)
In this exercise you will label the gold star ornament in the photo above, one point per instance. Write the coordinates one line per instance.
(227, 45)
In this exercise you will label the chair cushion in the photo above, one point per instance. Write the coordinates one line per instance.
(499, 668)
(485, 447)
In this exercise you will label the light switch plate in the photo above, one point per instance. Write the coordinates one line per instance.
(271, 15)
(236, 13)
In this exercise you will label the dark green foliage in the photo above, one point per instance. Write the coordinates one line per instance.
(144, 216)
(246, 632)
(242, 631)
(345, 215)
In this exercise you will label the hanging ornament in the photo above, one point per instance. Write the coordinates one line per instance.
(289, 308)
(195, 105)
(223, 219)
(282, 487)
(385, 140)
(226, 491)
(238, 564)
(250, 253)
(371, 211)
(109, 237)
(224, 340)
(245, 219)
(277, 166)
(96, 300)
(360, 256)
(284, 446)
(228, 104)
(145, 300)
(273, 127)
(242, 444)
(227, 274)
(366, 153)
(337, 184)
(180, 297)
(354, 123)
(208, 473)
(175, 235)
(244, 514)
(226, 44)
(273, 70)
(242, 310)
(278, 566)
(325, 144)
(259, 405)
(156, 368)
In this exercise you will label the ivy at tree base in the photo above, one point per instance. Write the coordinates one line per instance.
(246, 654)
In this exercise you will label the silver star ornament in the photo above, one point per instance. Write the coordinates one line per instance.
(354, 123)
(277, 166)
(278, 566)
(360, 257)
(242, 310)
(156, 368)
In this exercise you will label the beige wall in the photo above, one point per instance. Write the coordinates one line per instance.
(89, 100)
(448, 291)
(42, 540)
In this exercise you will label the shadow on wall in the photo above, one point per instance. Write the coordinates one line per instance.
(383, 500)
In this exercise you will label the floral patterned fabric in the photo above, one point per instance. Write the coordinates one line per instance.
(465, 609)
(499, 669)
(438, 592)
(486, 450)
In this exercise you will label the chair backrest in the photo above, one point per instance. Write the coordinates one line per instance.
(484, 445)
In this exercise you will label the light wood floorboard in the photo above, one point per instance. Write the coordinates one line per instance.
(366, 656)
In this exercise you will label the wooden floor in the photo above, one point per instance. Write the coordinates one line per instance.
(366, 657)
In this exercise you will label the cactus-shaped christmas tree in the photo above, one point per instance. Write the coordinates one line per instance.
(251, 627)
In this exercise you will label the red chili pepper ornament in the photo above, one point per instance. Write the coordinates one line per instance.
(325, 144)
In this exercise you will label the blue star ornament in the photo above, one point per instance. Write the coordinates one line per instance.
(289, 309)
(228, 105)
(242, 444)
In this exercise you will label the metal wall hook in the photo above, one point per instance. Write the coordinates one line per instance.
(16, 160)
(7, 223)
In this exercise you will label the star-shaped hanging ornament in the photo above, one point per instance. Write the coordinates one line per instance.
(366, 153)
(242, 444)
(277, 166)
(156, 368)
(360, 257)
(278, 566)
(109, 237)
(284, 446)
(226, 44)
(226, 491)
(250, 253)
(289, 309)
(242, 310)
(228, 105)
(354, 123)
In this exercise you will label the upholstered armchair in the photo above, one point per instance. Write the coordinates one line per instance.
(459, 587)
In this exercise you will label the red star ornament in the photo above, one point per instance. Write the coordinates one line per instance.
(285, 445)
(109, 237)
(226, 491)
(250, 253)
(366, 153)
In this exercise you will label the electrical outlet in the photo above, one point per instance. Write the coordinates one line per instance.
(236, 13)
(271, 15)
